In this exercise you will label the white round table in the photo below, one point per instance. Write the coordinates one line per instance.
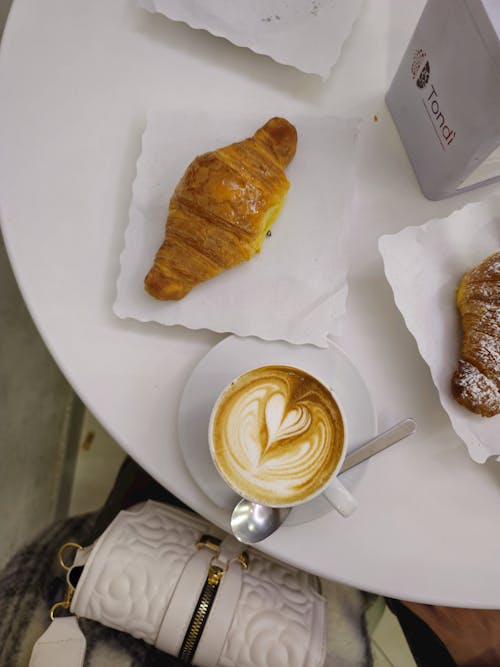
(76, 82)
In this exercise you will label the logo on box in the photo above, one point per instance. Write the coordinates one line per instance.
(421, 71)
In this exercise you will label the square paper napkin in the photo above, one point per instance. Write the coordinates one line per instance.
(424, 266)
(307, 34)
(295, 289)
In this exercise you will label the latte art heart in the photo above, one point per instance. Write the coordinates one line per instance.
(277, 435)
(281, 425)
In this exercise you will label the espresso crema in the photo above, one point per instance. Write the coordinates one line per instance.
(277, 435)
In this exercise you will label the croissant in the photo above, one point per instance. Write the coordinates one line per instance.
(476, 383)
(222, 209)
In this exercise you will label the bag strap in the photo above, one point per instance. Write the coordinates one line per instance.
(221, 614)
(201, 610)
(62, 645)
(177, 617)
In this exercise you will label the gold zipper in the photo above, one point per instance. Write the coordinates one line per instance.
(200, 614)
(207, 597)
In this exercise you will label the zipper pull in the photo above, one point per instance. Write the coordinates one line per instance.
(215, 574)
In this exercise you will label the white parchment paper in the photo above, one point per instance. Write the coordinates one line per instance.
(424, 266)
(307, 34)
(295, 289)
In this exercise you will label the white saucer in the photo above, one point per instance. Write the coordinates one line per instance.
(234, 356)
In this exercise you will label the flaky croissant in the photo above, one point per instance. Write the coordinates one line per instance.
(476, 383)
(222, 209)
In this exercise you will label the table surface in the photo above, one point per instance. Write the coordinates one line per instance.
(76, 82)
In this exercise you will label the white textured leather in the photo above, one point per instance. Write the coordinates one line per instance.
(279, 620)
(144, 577)
(134, 566)
(61, 645)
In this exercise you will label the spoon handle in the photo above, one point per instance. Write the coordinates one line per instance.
(401, 430)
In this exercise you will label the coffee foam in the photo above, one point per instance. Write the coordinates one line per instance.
(277, 435)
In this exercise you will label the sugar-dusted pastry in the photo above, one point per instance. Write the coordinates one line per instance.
(476, 383)
(222, 209)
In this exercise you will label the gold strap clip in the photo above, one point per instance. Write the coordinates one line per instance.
(66, 603)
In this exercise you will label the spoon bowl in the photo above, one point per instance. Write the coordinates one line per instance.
(252, 522)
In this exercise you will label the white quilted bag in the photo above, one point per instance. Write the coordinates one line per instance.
(179, 583)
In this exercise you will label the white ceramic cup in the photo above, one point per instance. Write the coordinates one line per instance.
(332, 490)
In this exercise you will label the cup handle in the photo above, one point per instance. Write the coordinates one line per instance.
(340, 498)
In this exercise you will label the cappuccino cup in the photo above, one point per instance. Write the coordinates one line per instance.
(278, 437)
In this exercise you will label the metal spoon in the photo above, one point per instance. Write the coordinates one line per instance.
(251, 522)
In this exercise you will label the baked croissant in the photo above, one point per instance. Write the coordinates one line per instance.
(222, 209)
(476, 383)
